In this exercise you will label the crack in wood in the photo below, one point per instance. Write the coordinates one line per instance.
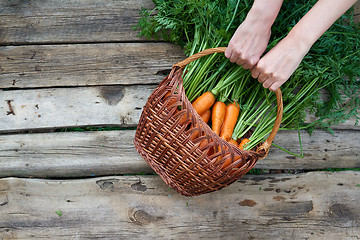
(34, 53)
(11, 109)
(287, 209)
(4, 202)
(164, 72)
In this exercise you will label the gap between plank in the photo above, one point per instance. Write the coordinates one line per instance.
(77, 43)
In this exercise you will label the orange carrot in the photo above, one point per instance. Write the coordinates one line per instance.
(243, 143)
(234, 142)
(218, 116)
(171, 101)
(206, 116)
(232, 113)
(204, 102)
(228, 162)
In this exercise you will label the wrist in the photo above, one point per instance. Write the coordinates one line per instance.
(300, 39)
(264, 12)
(298, 43)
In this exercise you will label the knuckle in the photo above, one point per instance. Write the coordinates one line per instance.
(261, 65)
(246, 66)
(268, 72)
(237, 52)
(253, 61)
(232, 59)
(245, 57)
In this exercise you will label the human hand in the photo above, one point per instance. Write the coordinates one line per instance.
(276, 67)
(280, 62)
(248, 43)
(252, 36)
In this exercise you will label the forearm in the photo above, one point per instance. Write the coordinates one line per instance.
(319, 19)
(264, 11)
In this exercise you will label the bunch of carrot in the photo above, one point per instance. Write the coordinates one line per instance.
(223, 117)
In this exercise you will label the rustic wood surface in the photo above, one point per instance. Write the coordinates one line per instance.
(80, 63)
(100, 153)
(37, 66)
(40, 108)
(72, 21)
(81, 106)
(56, 21)
(315, 205)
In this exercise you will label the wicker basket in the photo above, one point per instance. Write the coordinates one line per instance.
(164, 138)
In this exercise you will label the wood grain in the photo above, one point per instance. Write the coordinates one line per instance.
(57, 21)
(41, 108)
(37, 66)
(84, 154)
(83, 106)
(70, 154)
(304, 206)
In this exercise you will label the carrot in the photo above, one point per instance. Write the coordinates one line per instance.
(218, 116)
(228, 162)
(171, 101)
(232, 141)
(206, 116)
(231, 116)
(204, 102)
(243, 143)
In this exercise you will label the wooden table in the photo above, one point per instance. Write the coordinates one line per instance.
(66, 64)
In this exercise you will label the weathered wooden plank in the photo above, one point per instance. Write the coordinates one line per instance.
(321, 150)
(70, 154)
(59, 107)
(55, 21)
(306, 206)
(71, 21)
(80, 106)
(86, 64)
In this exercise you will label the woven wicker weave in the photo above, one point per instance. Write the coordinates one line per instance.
(165, 139)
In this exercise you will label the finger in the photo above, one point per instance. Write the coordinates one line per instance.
(228, 52)
(234, 57)
(275, 86)
(268, 82)
(255, 72)
(250, 63)
(247, 66)
(262, 77)
(240, 62)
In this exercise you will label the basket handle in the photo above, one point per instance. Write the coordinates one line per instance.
(263, 150)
